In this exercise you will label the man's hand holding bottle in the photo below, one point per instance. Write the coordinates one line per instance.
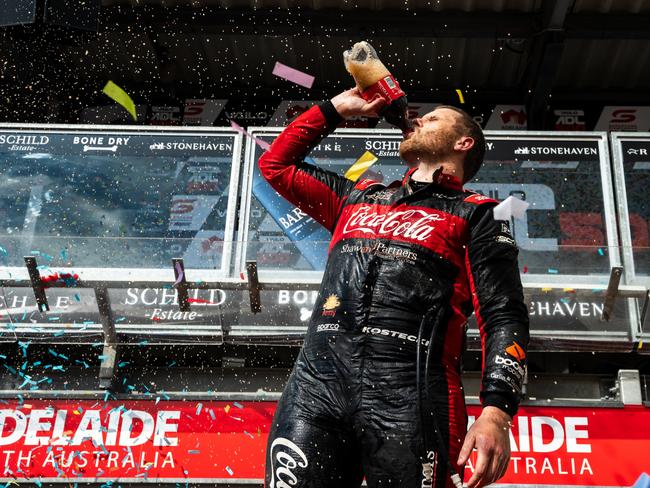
(350, 103)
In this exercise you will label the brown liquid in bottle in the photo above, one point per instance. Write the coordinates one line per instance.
(364, 65)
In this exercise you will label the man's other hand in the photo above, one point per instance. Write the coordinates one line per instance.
(489, 434)
(350, 103)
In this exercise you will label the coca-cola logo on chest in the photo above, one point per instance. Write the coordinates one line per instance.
(416, 224)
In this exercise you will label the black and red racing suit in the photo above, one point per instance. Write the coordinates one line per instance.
(397, 255)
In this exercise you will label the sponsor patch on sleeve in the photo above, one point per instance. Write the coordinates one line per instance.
(479, 199)
(365, 183)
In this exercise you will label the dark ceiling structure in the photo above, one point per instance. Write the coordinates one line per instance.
(532, 52)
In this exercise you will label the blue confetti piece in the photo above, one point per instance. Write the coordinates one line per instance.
(198, 408)
(76, 297)
(211, 412)
(2, 356)
(143, 343)
(22, 400)
(12, 370)
(122, 364)
(601, 251)
(238, 405)
(64, 357)
(59, 333)
(193, 451)
(553, 271)
(120, 319)
(230, 472)
(171, 364)
(52, 319)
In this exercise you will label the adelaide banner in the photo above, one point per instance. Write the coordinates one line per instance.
(162, 441)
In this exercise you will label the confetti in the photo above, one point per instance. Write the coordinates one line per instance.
(553, 271)
(360, 166)
(460, 95)
(114, 92)
(263, 144)
(291, 74)
(238, 405)
(640, 344)
(510, 207)
(547, 289)
(230, 471)
(198, 300)
(525, 269)
(180, 273)
(227, 408)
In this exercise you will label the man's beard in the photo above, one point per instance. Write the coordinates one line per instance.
(433, 147)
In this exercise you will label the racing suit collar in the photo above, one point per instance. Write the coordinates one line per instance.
(439, 178)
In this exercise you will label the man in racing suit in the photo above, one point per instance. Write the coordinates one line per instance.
(421, 251)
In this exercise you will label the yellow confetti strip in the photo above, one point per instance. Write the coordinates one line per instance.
(640, 344)
(227, 408)
(360, 166)
(120, 96)
(460, 95)
(547, 289)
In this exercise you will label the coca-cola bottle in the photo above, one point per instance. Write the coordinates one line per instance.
(373, 78)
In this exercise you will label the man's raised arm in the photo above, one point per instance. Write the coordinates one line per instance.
(317, 192)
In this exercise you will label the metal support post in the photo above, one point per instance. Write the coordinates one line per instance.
(253, 286)
(612, 292)
(108, 366)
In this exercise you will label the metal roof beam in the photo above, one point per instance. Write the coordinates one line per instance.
(544, 61)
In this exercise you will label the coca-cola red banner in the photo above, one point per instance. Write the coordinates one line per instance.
(171, 441)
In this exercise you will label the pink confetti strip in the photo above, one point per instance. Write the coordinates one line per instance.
(293, 75)
(179, 271)
(263, 144)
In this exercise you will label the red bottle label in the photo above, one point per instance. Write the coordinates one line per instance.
(387, 87)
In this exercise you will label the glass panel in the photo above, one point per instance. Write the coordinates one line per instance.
(563, 231)
(636, 169)
(116, 199)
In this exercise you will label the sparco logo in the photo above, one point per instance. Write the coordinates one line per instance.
(282, 475)
(411, 224)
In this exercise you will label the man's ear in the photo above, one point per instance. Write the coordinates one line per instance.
(465, 143)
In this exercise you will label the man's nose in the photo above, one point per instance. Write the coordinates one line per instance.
(418, 122)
